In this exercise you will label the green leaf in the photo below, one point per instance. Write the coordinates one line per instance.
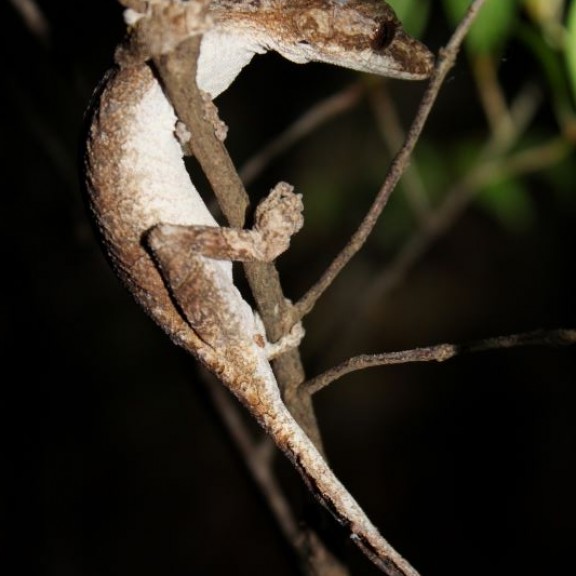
(570, 46)
(545, 13)
(491, 28)
(412, 13)
(559, 179)
(551, 64)
(508, 202)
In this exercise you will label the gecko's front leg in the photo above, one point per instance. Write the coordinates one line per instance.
(276, 219)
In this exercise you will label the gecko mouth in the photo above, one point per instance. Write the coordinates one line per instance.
(410, 56)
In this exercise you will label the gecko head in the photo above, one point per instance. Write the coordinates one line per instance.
(363, 35)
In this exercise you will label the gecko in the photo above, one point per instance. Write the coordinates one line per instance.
(167, 247)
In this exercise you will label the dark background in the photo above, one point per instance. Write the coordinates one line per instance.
(113, 459)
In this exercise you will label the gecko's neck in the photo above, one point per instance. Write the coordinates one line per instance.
(222, 57)
(363, 35)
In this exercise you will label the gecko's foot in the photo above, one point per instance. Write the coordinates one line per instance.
(287, 342)
(211, 114)
(279, 215)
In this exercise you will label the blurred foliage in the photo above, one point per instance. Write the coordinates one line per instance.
(546, 31)
(491, 29)
(413, 14)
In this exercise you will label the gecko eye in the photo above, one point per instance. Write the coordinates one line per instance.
(384, 35)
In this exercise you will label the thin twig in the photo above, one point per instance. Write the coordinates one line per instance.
(490, 166)
(176, 69)
(393, 134)
(34, 19)
(440, 353)
(492, 97)
(258, 458)
(445, 62)
(312, 118)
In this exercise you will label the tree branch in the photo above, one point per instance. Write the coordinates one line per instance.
(440, 353)
(258, 457)
(176, 69)
(34, 19)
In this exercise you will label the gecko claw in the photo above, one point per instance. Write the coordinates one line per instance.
(287, 342)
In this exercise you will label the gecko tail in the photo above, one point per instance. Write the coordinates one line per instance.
(332, 494)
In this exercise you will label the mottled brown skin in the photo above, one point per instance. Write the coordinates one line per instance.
(111, 191)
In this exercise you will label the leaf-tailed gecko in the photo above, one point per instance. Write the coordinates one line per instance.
(167, 247)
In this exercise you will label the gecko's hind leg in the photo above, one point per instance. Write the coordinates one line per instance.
(289, 341)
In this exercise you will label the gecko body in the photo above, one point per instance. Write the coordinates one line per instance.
(169, 250)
